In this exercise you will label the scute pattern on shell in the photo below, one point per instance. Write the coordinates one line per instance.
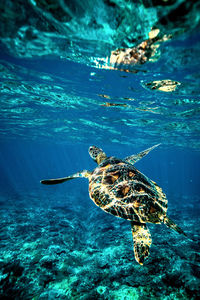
(121, 190)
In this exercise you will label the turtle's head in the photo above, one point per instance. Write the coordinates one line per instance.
(97, 154)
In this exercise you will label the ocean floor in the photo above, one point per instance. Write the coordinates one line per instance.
(73, 250)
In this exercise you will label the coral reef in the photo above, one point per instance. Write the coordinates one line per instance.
(76, 251)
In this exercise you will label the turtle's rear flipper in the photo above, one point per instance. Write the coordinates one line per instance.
(169, 223)
(83, 173)
(142, 241)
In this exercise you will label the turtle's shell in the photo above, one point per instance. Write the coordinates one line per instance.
(120, 189)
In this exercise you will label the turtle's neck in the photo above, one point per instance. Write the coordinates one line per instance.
(101, 157)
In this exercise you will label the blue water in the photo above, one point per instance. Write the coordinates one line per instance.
(59, 95)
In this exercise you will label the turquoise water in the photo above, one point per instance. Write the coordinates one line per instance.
(64, 89)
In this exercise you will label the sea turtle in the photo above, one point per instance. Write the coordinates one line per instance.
(118, 188)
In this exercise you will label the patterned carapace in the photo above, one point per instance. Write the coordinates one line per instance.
(120, 189)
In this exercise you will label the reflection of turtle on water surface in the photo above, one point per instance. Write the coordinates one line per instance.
(121, 58)
(118, 188)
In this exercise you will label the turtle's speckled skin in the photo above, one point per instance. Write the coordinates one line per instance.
(118, 188)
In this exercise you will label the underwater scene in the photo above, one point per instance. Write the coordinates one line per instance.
(99, 149)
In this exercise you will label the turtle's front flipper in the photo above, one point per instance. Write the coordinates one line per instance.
(142, 241)
(83, 173)
(135, 157)
(169, 223)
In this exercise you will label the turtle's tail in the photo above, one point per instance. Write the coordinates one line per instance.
(169, 223)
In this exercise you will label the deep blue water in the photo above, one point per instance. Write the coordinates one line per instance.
(59, 95)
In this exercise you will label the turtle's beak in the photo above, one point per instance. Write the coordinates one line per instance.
(91, 148)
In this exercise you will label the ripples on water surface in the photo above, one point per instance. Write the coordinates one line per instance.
(40, 83)
(67, 78)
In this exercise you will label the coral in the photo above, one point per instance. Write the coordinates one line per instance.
(44, 264)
